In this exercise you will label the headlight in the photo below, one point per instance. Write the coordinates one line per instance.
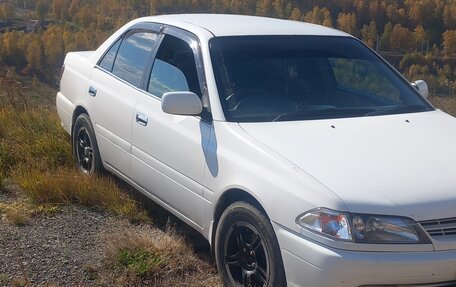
(363, 228)
(327, 222)
(386, 229)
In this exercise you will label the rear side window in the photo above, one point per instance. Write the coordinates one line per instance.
(108, 60)
(133, 55)
(174, 68)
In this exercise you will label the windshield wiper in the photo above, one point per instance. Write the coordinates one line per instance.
(329, 112)
(398, 110)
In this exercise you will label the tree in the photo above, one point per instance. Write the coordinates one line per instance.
(7, 11)
(449, 15)
(361, 11)
(369, 34)
(296, 14)
(386, 36)
(263, 8)
(34, 57)
(396, 14)
(420, 37)
(347, 22)
(84, 16)
(73, 9)
(53, 46)
(11, 49)
(449, 42)
(139, 6)
(400, 38)
(320, 16)
(41, 9)
(60, 9)
(421, 11)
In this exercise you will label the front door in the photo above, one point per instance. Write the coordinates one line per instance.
(167, 150)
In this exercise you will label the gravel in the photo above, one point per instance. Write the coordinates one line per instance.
(59, 250)
(69, 248)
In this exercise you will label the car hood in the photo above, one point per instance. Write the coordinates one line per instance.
(397, 164)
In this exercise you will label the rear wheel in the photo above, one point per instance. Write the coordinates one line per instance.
(85, 147)
(246, 248)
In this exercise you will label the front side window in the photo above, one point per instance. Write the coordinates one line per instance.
(133, 56)
(174, 68)
(286, 78)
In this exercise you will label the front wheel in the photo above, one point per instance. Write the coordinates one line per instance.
(85, 147)
(246, 249)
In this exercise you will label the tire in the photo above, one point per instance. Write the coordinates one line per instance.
(246, 248)
(85, 147)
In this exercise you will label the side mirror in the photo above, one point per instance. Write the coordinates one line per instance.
(181, 103)
(422, 88)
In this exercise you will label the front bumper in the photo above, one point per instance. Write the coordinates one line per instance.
(308, 264)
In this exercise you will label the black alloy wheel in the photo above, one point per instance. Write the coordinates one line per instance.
(85, 148)
(84, 151)
(245, 256)
(247, 252)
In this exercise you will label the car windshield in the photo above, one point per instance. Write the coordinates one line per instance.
(289, 78)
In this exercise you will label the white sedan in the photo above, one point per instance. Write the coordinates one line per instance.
(299, 153)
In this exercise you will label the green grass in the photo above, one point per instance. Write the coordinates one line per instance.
(140, 262)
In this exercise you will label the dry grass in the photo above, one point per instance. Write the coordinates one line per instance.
(16, 216)
(34, 139)
(19, 282)
(2, 181)
(35, 152)
(69, 186)
(19, 211)
(16, 213)
(446, 104)
(143, 256)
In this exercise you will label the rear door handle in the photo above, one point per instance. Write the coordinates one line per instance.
(142, 119)
(92, 91)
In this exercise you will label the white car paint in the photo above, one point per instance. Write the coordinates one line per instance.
(397, 164)
(403, 164)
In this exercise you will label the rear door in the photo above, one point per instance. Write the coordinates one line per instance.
(115, 86)
(168, 150)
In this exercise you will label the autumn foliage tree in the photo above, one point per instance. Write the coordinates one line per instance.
(418, 35)
(449, 42)
(7, 11)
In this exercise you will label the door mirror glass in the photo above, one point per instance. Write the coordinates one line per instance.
(422, 88)
(181, 103)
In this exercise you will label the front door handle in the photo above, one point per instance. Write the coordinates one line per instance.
(142, 119)
(92, 91)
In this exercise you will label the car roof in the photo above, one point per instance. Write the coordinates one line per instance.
(241, 25)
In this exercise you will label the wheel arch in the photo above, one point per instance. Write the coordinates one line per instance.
(77, 112)
(226, 199)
